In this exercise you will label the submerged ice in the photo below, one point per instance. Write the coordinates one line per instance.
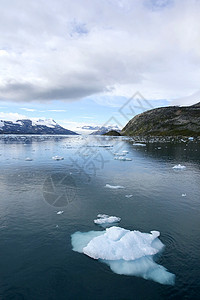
(126, 252)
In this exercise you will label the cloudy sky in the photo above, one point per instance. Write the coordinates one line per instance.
(79, 61)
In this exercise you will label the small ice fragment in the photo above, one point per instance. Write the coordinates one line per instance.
(57, 226)
(57, 157)
(129, 196)
(159, 148)
(60, 212)
(102, 216)
(28, 159)
(114, 186)
(139, 144)
(125, 151)
(122, 158)
(120, 154)
(184, 195)
(105, 219)
(179, 167)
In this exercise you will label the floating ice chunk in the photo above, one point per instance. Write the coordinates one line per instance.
(57, 157)
(179, 167)
(191, 138)
(118, 243)
(128, 196)
(120, 154)
(102, 216)
(123, 158)
(126, 252)
(60, 212)
(114, 186)
(184, 195)
(105, 219)
(28, 159)
(139, 144)
(125, 151)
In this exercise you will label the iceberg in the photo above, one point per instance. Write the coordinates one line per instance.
(126, 252)
(60, 212)
(114, 186)
(179, 167)
(105, 219)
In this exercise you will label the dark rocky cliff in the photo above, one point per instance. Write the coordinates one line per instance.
(166, 121)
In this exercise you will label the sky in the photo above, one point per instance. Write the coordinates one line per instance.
(88, 62)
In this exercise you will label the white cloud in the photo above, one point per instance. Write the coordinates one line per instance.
(11, 116)
(57, 110)
(189, 100)
(68, 50)
(28, 109)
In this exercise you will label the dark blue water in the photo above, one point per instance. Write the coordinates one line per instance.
(36, 257)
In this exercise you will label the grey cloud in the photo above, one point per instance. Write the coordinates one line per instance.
(28, 92)
(69, 49)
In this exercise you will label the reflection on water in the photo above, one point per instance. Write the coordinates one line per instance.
(37, 261)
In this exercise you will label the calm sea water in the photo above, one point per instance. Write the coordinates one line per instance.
(36, 257)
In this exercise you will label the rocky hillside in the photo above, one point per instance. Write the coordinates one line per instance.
(47, 126)
(112, 133)
(166, 121)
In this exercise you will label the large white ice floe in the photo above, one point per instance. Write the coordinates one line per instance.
(179, 167)
(126, 252)
(114, 186)
(57, 157)
(106, 219)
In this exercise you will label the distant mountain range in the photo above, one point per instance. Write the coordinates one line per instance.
(99, 130)
(26, 126)
(166, 121)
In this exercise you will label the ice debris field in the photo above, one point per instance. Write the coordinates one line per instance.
(126, 252)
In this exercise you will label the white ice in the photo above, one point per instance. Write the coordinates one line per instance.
(179, 167)
(105, 219)
(60, 212)
(114, 186)
(57, 157)
(128, 196)
(126, 252)
(139, 144)
(28, 159)
(120, 154)
(123, 158)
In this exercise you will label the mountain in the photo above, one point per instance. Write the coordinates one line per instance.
(26, 126)
(166, 121)
(112, 133)
(104, 129)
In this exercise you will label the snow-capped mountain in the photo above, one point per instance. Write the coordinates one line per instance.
(104, 129)
(26, 126)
